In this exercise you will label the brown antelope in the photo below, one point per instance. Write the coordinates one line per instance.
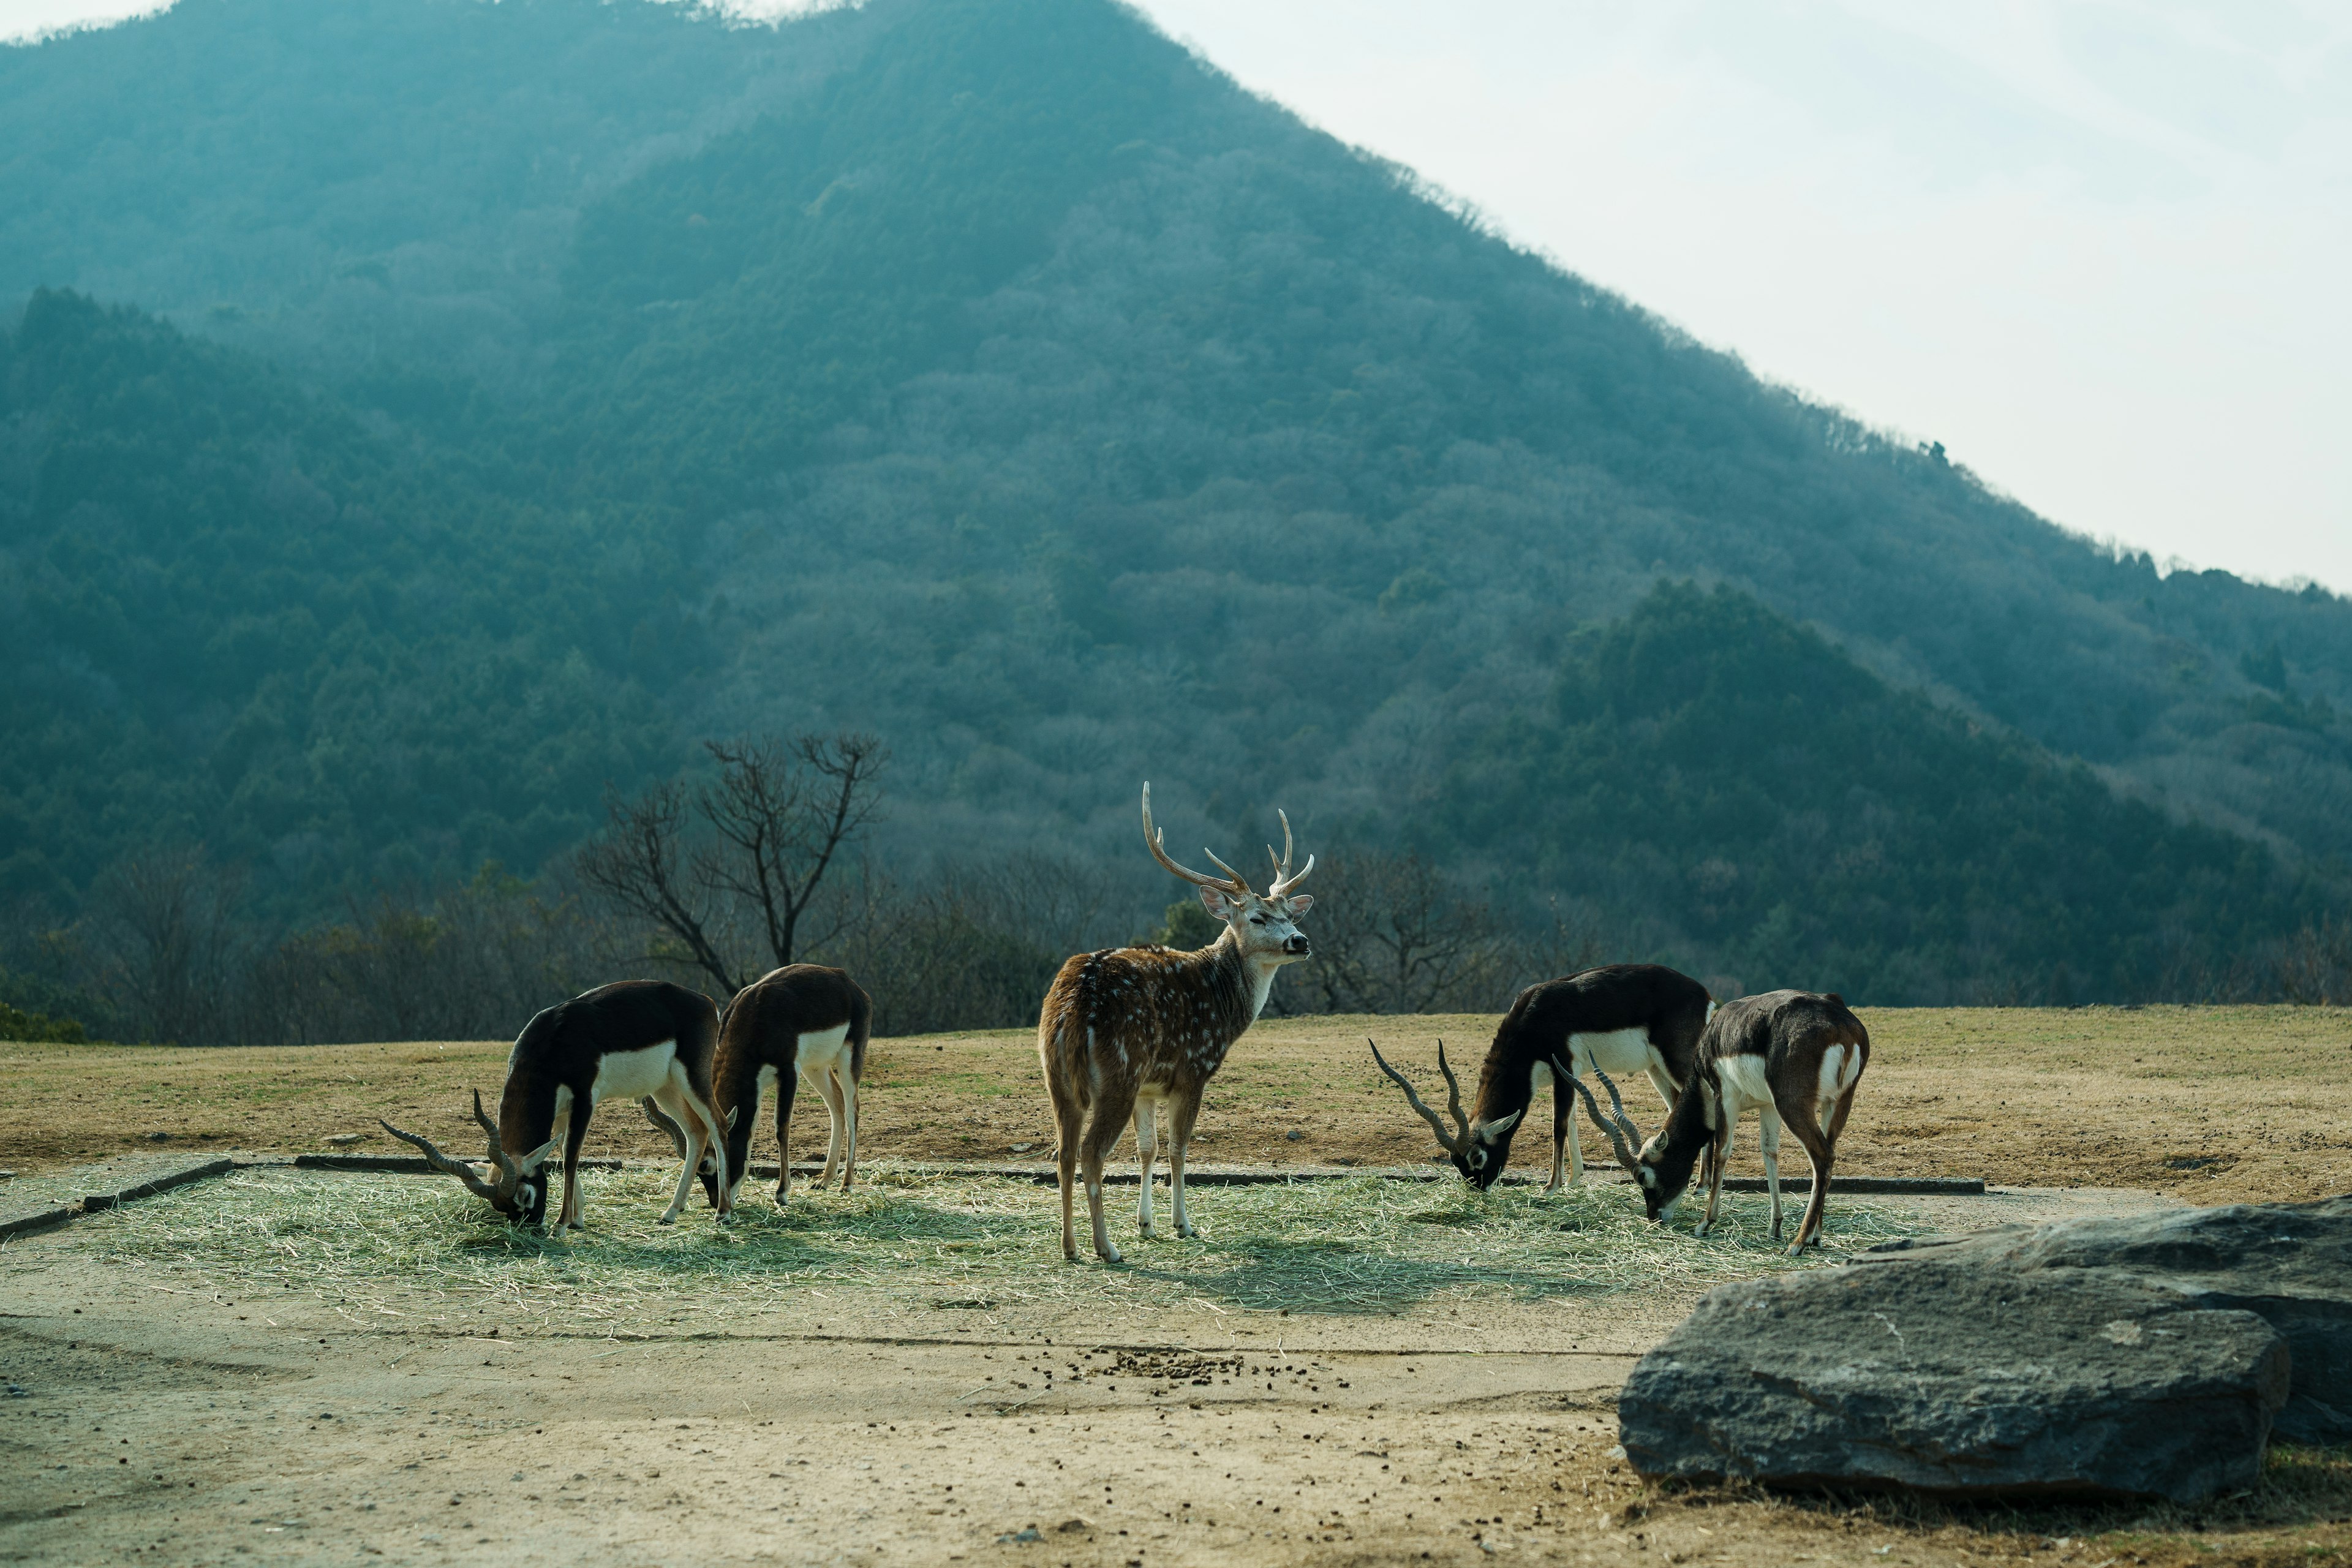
(637, 1039)
(1622, 1017)
(1128, 1031)
(800, 1023)
(1794, 1057)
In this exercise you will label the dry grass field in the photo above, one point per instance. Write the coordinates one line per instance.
(2207, 1104)
(293, 1366)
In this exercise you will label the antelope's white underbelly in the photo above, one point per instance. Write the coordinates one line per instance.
(1744, 1082)
(1620, 1053)
(823, 1050)
(633, 1075)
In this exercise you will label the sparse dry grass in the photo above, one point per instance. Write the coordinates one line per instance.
(2211, 1104)
(1363, 1246)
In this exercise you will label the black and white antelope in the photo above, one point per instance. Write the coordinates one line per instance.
(1131, 1032)
(636, 1039)
(803, 1023)
(1622, 1018)
(1793, 1058)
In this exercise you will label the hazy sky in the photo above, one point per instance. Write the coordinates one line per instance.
(2099, 248)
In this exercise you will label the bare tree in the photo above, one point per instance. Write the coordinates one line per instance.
(749, 852)
(167, 945)
(1391, 936)
(2314, 966)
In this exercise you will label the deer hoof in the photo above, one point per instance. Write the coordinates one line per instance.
(669, 1218)
(1190, 1233)
(1111, 1255)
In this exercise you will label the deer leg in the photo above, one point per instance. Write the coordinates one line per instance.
(1110, 1119)
(1722, 1147)
(829, 1091)
(1146, 1146)
(1069, 1120)
(1180, 1144)
(692, 1108)
(847, 1086)
(1823, 1154)
(696, 1134)
(787, 1085)
(1768, 1138)
(575, 1136)
(1821, 1147)
(1566, 1149)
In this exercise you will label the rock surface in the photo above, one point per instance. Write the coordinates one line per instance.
(1961, 1379)
(2290, 1263)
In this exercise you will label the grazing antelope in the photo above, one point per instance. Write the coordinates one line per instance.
(1622, 1017)
(635, 1039)
(802, 1022)
(1134, 1031)
(1792, 1056)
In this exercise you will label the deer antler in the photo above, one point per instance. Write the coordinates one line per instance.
(1283, 879)
(1625, 1138)
(458, 1168)
(1231, 882)
(1452, 1143)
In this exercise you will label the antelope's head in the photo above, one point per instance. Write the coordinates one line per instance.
(1264, 926)
(516, 1187)
(1641, 1160)
(1479, 1150)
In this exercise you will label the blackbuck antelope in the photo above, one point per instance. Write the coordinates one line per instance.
(800, 1023)
(1794, 1057)
(1623, 1018)
(637, 1039)
(1131, 1032)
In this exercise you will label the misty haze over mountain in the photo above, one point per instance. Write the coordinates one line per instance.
(421, 417)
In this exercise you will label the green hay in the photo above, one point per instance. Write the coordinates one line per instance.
(382, 1245)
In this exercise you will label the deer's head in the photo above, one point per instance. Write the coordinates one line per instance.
(1263, 926)
(1479, 1150)
(516, 1187)
(1644, 1161)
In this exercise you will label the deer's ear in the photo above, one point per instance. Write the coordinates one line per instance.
(1300, 903)
(1488, 1131)
(1217, 902)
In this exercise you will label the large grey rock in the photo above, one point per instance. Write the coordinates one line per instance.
(1959, 1379)
(2290, 1263)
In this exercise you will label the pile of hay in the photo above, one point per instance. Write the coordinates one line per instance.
(388, 1245)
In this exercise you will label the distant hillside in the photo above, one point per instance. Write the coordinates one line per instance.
(1767, 809)
(229, 615)
(990, 373)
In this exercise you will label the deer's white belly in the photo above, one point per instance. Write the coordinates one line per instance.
(1745, 1085)
(821, 1051)
(633, 1075)
(1620, 1053)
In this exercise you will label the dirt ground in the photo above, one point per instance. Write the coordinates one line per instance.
(2207, 1104)
(189, 1408)
(152, 1416)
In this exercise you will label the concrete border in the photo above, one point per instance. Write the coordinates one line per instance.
(1280, 1175)
(412, 1164)
(96, 1202)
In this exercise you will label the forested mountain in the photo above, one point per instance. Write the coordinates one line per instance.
(1756, 796)
(584, 379)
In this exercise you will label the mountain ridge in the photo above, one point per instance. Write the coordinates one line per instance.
(1001, 377)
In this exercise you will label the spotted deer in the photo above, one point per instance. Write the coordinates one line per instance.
(1131, 1033)
(1622, 1017)
(1793, 1058)
(635, 1039)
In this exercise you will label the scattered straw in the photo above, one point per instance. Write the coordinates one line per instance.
(382, 1245)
